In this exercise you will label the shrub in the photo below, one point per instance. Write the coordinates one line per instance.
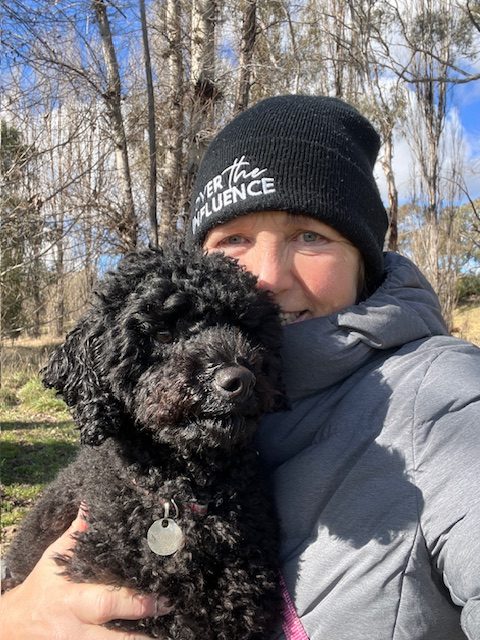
(468, 287)
(8, 398)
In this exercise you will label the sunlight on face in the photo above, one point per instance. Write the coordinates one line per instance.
(310, 268)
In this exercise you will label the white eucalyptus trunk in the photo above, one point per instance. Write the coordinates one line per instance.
(204, 91)
(173, 135)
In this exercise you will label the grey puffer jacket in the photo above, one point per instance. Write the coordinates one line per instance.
(376, 469)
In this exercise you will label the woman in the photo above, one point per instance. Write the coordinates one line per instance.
(375, 465)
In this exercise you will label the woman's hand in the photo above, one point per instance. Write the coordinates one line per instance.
(48, 606)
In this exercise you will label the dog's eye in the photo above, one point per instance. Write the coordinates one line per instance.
(163, 337)
(243, 362)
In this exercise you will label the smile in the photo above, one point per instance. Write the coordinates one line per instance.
(289, 317)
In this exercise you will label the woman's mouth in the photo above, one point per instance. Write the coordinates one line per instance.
(289, 317)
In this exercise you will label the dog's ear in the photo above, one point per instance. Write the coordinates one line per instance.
(75, 370)
(57, 373)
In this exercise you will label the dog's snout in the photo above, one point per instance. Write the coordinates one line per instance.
(236, 382)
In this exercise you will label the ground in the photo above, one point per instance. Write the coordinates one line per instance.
(37, 434)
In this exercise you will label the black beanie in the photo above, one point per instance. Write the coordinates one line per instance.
(310, 155)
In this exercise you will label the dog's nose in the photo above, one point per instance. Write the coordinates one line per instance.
(236, 382)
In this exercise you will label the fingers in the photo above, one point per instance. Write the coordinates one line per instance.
(48, 605)
(97, 604)
(85, 607)
(65, 543)
(97, 633)
(111, 603)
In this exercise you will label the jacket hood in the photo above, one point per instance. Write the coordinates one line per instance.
(320, 352)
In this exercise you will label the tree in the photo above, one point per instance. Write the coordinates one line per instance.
(127, 225)
(382, 97)
(174, 123)
(248, 36)
(21, 233)
(117, 102)
(152, 135)
(204, 91)
(436, 35)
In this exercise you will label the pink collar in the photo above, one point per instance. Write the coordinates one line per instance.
(292, 625)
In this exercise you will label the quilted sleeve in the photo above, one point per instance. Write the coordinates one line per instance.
(447, 469)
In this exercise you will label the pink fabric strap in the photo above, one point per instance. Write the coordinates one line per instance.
(292, 627)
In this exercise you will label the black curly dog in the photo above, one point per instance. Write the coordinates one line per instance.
(167, 375)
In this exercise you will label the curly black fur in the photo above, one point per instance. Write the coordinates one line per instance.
(167, 375)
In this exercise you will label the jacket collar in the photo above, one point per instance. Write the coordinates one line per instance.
(320, 352)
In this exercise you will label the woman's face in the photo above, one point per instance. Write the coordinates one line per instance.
(310, 268)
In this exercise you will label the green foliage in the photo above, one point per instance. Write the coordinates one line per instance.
(8, 398)
(21, 388)
(35, 453)
(431, 28)
(21, 230)
(15, 230)
(468, 287)
(40, 400)
(13, 250)
(16, 500)
(21, 384)
(13, 152)
(17, 379)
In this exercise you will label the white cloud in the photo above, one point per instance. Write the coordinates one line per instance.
(457, 139)
(402, 167)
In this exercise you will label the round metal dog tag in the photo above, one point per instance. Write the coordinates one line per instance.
(165, 537)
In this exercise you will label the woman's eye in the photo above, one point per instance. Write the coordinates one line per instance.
(233, 240)
(310, 237)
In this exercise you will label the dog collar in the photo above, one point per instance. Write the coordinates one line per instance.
(199, 508)
(165, 536)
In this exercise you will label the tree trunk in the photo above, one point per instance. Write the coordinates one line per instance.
(203, 48)
(36, 267)
(60, 169)
(339, 40)
(387, 165)
(152, 139)
(203, 86)
(171, 197)
(60, 275)
(127, 225)
(249, 33)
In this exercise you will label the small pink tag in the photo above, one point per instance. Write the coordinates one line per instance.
(197, 507)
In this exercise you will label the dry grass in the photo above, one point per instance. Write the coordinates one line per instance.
(467, 322)
(25, 356)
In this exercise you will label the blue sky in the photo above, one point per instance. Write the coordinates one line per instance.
(467, 97)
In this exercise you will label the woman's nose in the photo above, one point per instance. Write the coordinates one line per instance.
(272, 270)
